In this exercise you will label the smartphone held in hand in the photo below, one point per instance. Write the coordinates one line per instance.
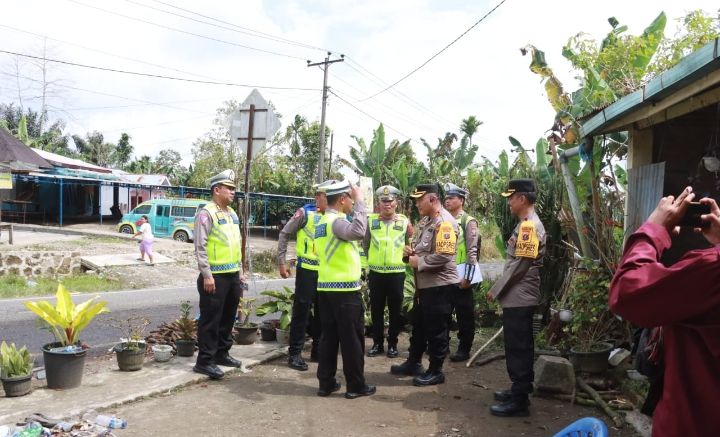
(692, 217)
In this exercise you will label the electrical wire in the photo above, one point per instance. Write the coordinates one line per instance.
(155, 76)
(438, 53)
(368, 115)
(162, 26)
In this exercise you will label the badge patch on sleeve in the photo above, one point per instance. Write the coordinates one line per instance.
(445, 240)
(527, 244)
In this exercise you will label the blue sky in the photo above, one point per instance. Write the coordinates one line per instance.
(483, 74)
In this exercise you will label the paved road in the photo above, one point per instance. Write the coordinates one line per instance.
(18, 324)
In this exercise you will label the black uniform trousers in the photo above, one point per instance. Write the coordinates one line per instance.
(430, 316)
(217, 316)
(341, 315)
(305, 295)
(386, 287)
(519, 349)
(462, 302)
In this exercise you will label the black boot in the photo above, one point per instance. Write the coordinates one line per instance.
(296, 362)
(376, 349)
(503, 395)
(516, 407)
(431, 377)
(460, 355)
(408, 368)
(392, 351)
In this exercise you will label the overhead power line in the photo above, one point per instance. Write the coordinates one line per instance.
(438, 53)
(368, 115)
(198, 35)
(156, 76)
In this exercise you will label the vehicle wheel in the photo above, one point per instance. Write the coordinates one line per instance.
(126, 229)
(181, 236)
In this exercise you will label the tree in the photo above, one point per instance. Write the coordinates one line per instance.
(34, 132)
(469, 127)
(123, 152)
(376, 160)
(142, 165)
(93, 148)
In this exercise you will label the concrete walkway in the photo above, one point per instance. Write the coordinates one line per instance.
(104, 386)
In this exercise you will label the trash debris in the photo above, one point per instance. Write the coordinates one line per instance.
(31, 284)
(111, 422)
(70, 349)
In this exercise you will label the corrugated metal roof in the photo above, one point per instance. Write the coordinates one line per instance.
(694, 66)
(13, 150)
(64, 161)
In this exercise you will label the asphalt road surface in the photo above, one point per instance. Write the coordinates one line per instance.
(19, 325)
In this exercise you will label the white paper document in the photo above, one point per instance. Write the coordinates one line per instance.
(477, 275)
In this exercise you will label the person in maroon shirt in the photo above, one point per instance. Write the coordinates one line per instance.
(684, 299)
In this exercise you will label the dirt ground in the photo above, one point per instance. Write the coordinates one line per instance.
(275, 400)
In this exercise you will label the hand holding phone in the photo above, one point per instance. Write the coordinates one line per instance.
(692, 217)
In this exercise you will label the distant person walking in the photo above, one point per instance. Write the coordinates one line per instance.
(147, 240)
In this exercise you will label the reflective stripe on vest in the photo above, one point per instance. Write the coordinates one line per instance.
(305, 247)
(387, 241)
(224, 240)
(339, 260)
(463, 220)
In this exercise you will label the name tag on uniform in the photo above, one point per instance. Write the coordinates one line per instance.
(398, 225)
(221, 218)
(445, 239)
(375, 224)
(527, 244)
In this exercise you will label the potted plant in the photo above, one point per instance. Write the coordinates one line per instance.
(187, 330)
(65, 358)
(280, 302)
(486, 312)
(15, 370)
(592, 327)
(130, 352)
(267, 329)
(245, 332)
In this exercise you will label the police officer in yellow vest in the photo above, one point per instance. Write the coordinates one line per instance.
(432, 256)
(387, 234)
(220, 283)
(303, 224)
(462, 297)
(341, 306)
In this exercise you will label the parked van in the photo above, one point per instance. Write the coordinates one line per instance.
(168, 217)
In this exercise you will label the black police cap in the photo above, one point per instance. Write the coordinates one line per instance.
(519, 186)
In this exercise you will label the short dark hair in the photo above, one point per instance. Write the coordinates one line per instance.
(531, 197)
(145, 217)
(332, 199)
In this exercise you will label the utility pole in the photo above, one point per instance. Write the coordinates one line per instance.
(325, 65)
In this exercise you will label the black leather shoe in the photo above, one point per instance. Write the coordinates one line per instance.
(296, 362)
(227, 361)
(431, 377)
(368, 390)
(408, 368)
(210, 370)
(459, 356)
(392, 352)
(375, 350)
(511, 408)
(503, 395)
(323, 392)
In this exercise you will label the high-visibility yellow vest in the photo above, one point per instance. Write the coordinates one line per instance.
(224, 241)
(463, 220)
(387, 240)
(305, 247)
(339, 260)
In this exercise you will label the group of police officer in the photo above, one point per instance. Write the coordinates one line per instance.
(336, 239)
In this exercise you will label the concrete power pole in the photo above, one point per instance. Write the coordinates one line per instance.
(325, 65)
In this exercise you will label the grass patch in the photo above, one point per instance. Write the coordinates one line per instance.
(17, 286)
(488, 250)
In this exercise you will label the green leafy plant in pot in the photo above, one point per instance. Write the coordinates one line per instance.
(593, 329)
(130, 352)
(187, 330)
(486, 312)
(65, 358)
(15, 370)
(245, 331)
(280, 302)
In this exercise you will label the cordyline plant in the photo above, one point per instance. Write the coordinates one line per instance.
(67, 320)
